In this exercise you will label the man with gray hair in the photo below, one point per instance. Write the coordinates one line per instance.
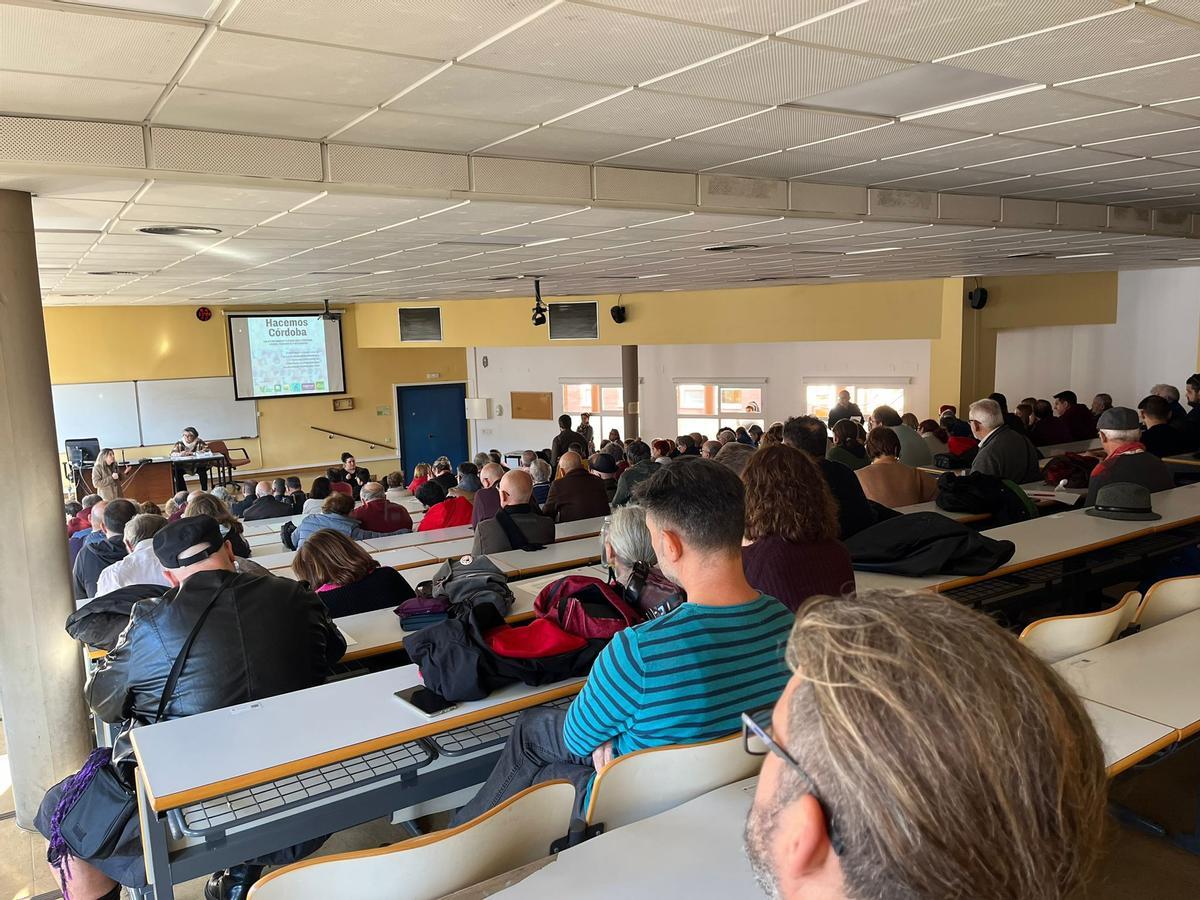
(1002, 451)
(378, 513)
(267, 505)
(527, 459)
(1170, 393)
(140, 566)
(1126, 459)
(710, 449)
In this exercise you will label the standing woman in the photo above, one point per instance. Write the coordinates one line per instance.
(190, 444)
(106, 475)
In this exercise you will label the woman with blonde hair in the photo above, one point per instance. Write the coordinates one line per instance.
(346, 577)
(206, 504)
(106, 475)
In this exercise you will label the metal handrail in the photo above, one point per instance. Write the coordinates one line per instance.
(350, 437)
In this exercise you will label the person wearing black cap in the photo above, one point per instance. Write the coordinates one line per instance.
(604, 467)
(1126, 460)
(251, 636)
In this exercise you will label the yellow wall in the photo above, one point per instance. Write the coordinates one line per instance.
(126, 343)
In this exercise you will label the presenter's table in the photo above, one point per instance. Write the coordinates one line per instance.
(150, 478)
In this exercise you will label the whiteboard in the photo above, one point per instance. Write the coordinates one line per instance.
(107, 411)
(206, 404)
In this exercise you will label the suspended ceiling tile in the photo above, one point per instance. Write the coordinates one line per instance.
(79, 187)
(658, 114)
(595, 44)
(688, 155)
(1125, 168)
(1185, 107)
(1022, 111)
(51, 212)
(1055, 161)
(1130, 38)
(195, 9)
(1180, 141)
(441, 30)
(891, 140)
(782, 128)
(569, 144)
(60, 95)
(979, 152)
(227, 219)
(1109, 126)
(221, 196)
(1189, 9)
(788, 164)
(1176, 178)
(758, 16)
(776, 72)
(200, 108)
(63, 41)
(1153, 84)
(300, 71)
(924, 30)
(390, 128)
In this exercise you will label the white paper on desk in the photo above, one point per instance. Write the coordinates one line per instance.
(350, 642)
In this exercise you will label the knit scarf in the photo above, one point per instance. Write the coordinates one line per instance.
(1120, 450)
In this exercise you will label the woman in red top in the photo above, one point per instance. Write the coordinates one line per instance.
(442, 511)
(421, 474)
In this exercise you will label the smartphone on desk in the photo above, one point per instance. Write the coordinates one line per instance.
(428, 703)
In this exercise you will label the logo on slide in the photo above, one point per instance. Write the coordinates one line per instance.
(320, 385)
(295, 387)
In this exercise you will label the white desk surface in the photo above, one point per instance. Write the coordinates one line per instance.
(290, 733)
(277, 560)
(693, 851)
(930, 506)
(1184, 459)
(1152, 674)
(581, 528)
(1070, 447)
(264, 539)
(199, 457)
(403, 557)
(527, 589)
(1127, 739)
(418, 538)
(450, 549)
(559, 556)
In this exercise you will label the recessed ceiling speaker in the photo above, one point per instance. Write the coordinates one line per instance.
(617, 313)
(977, 298)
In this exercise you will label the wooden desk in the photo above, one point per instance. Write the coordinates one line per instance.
(1152, 674)
(1190, 460)
(931, 506)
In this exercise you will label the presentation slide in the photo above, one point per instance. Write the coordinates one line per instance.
(280, 355)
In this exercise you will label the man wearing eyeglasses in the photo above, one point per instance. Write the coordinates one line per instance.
(920, 751)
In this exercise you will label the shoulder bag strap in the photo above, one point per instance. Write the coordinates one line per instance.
(177, 668)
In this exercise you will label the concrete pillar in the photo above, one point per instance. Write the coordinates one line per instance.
(629, 384)
(41, 668)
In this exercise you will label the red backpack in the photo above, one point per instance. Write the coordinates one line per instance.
(585, 606)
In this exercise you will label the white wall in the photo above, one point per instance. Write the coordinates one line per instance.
(784, 365)
(1153, 340)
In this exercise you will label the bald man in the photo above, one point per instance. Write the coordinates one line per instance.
(517, 524)
(267, 505)
(577, 494)
(487, 500)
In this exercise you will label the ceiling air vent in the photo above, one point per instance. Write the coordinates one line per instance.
(574, 321)
(421, 324)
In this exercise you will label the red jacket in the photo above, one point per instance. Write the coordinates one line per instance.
(383, 515)
(450, 512)
(416, 483)
(80, 522)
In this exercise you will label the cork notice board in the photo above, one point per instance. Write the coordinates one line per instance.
(531, 405)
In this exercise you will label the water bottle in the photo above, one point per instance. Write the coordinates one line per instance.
(604, 561)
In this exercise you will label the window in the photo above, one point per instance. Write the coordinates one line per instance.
(707, 408)
(604, 401)
(821, 398)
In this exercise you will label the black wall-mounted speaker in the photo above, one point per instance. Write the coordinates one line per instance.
(618, 314)
(977, 298)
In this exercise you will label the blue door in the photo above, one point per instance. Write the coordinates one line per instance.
(433, 423)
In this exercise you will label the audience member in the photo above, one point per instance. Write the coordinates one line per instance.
(396, 492)
(726, 436)
(1003, 451)
(1025, 414)
(79, 539)
(527, 458)
(955, 427)
(913, 449)
(1012, 420)
(586, 432)
(539, 471)
(641, 467)
(614, 436)
(176, 505)
(1160, 437)
(911, 421)
(892, 769)
(294, 494)
(887, 480)
(334, 515)
(337, 482)
(353, 474)
(844, 409)
(265, 636)
(378, 513)
(494, 456)
(577, 494)
(791, 550)
(935, 436)
(267, 506)
(140, 565)
(732, 456)
(1077, 417)
(1170, 393)
(106, 475)
(249, 498)
(487, 500)
(710, 449)
(687, 446)
(516, 524)
(480, 460)
(756, 434)
(1048, 429)
(1100, 403)
(97, 555)
(743, 436)
(347, 578)
(601, 466)
(847, 447)
(1125, 457)
(633, 565)
(320, 489)
(82, 518)
(150, 508)
(468, 483)
(634, 697)
(72, 510)
(443, 474)
(202, 504)
(1191, 424)
(660, 451)
(441, 509)
(808, 433)
(227, 494)
(564, 440)
(772, 437)
(422, 472)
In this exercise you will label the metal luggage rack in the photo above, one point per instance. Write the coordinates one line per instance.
(986, 593)
(485, 734)
(1045, 574)
(1165, 542)
(213, 817)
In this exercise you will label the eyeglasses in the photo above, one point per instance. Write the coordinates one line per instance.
(758, 741)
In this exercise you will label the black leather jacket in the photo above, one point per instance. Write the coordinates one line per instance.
(265, 636)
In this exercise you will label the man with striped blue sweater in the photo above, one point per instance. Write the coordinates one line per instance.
(683, 678)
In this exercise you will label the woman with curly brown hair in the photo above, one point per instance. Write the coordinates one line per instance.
(791, 549)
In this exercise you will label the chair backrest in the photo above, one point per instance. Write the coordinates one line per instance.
(645, 783)
(218, 447)
(1060, 637)
(1129, 606)
(515, 833)
(1168, 599)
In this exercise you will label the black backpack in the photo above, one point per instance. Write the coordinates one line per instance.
(287, 533)
(981, 493)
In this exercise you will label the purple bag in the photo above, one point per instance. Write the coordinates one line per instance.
(420, 612)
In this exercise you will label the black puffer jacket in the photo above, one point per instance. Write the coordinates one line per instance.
(93, 559)
(265, 636)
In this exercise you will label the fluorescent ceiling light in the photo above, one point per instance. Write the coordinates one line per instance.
(915, 89)
(663, 275)
(872, 250)
(974, 101)
(1081, 255)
